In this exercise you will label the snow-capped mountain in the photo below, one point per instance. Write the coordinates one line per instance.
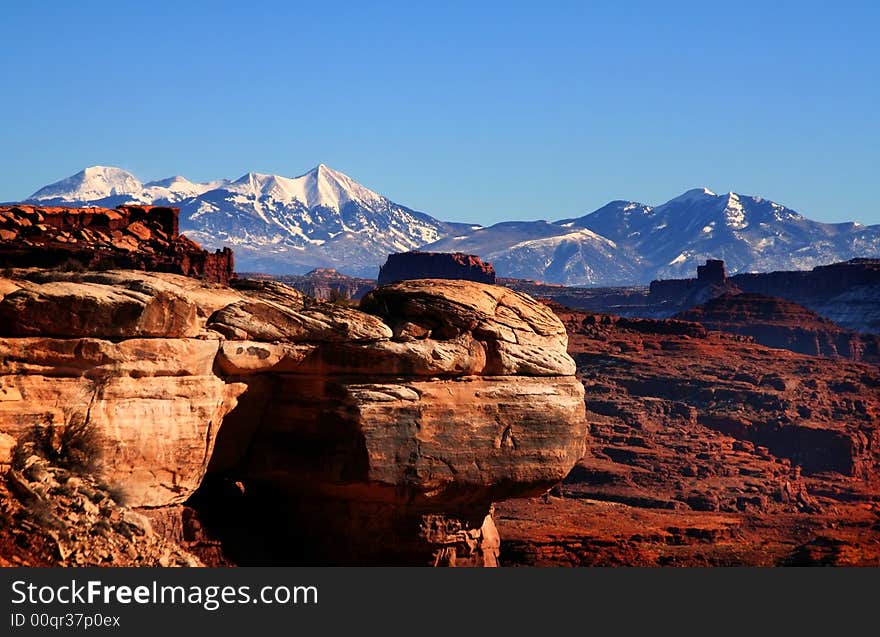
(275, 224)
(177, 188)
(631, 242)
(111, 186)
(95, 183)
(750, 233)
(324, 218)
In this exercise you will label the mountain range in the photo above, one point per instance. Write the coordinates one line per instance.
(323, 218)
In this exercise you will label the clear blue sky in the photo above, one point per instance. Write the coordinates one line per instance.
(482, 113)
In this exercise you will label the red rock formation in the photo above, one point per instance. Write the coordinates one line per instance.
(782, 324)
(677, 294)
(388, 433)
(708, 449)
(822, 281)
(127, 237)
(405, 266)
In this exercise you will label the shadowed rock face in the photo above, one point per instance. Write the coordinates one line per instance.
(405, 266)
(848, 293)
(387, 434)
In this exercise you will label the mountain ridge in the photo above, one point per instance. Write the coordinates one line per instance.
(324, 218)
(277, 224)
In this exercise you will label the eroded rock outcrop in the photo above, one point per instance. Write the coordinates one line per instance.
(847, 293)
(387, 432)
(128, 236)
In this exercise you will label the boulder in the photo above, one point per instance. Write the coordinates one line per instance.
(520, 335)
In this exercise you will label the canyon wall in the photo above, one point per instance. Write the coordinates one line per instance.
(847, 293)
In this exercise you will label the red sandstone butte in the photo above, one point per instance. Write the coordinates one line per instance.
(405, 266)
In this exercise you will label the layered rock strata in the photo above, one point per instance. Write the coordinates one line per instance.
(847, 293)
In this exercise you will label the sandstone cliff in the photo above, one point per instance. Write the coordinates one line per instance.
(847, 293)
(387, 433)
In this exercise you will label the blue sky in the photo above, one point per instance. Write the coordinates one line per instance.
(478, 113)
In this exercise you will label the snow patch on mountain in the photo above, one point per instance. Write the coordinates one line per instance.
(579, 235)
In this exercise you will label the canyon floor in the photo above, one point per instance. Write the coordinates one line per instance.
(706, 449)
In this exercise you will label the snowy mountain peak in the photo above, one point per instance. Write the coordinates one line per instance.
(694, 195)
(330, 188)
(170, 182)
(92, 183)
(734, 213)
(176, 189)
(323, 218)
(320, 187)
